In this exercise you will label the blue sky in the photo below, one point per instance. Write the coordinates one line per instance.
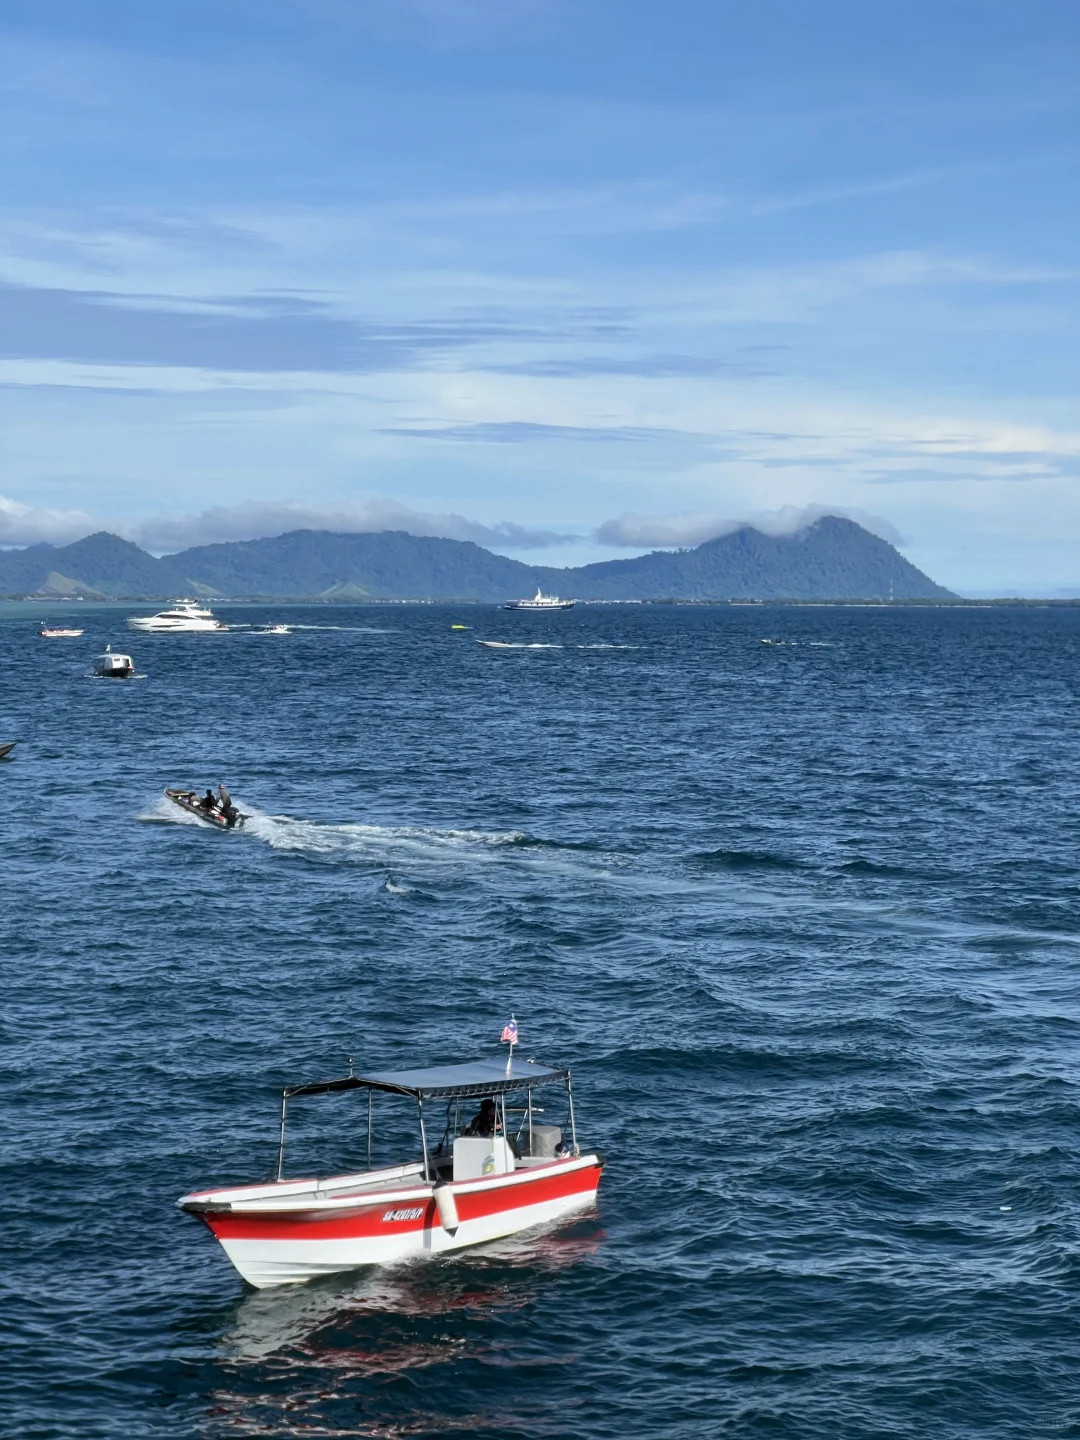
(571, 279)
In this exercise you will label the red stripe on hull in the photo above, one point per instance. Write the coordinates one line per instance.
(358, 1224)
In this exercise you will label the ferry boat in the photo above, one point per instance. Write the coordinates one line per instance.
(112, 666)
(540, 601)
(58, 632)
(502, 1173)
(185, 618)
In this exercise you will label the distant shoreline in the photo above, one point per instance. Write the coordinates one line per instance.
(937, 603)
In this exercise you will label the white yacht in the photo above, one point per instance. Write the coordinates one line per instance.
(185, 618)
(540, 601)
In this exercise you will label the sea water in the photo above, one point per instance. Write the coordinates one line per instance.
(803, 917)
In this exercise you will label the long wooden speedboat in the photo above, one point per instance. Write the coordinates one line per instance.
(470, 1188)
(190, 801)
(59, 632)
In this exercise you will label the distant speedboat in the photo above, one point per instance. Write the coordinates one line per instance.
(274, 630)
(185, 618)
(113, 666)
(540, 601)
(214, 815)
(58, 632)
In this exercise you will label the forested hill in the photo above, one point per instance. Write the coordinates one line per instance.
(833, 559)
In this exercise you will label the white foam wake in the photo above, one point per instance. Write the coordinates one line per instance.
(164, 812)
(379, 844)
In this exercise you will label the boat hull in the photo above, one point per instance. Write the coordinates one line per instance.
(290, 1246)
(6, 750)
(181, 628)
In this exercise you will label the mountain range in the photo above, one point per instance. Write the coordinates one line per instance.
(832, 559)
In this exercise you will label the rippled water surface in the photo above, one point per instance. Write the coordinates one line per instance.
(803, 917)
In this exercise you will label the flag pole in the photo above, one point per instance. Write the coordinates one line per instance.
(510, 1056)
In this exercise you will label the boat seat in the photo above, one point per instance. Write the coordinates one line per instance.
(546, 1139)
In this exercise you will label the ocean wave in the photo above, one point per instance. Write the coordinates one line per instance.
(746, 860)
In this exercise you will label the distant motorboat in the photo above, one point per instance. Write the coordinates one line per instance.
(113, 666)
(185, 618)
(540, 601)
(274, 630)
(5, 750)
(214, 815)
(58, 632)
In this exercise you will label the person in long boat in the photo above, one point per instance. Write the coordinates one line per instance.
(228, 809)
(208, 802)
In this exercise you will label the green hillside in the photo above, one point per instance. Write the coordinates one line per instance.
(833, 559)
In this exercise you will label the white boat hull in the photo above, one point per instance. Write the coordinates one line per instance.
(185, 627)
(299, 1238)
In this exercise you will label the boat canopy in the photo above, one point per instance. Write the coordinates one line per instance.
(478, 1077)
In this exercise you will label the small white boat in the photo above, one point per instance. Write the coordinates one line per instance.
(274, 630)
(58, 632)
(540, 601)
(113, 666)
(499, 1174)
(185, 618)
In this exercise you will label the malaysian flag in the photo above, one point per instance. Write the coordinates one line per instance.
(510, 1033)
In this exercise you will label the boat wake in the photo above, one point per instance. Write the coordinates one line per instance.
(411, 851)
(164, 812)
(542, 645)
(377, 843)
(394, 849)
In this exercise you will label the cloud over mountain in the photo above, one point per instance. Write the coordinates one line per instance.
(253, 520)
(689, 528)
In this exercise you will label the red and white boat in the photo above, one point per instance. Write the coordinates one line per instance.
(58, 632)
(470, 1188)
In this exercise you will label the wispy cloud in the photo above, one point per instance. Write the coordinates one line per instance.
(521, 432)
(253, 333)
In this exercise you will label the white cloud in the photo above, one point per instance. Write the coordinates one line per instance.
(689, 528)
(26, 525)
(256, 518)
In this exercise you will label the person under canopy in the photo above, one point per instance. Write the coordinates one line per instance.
(484, 1121)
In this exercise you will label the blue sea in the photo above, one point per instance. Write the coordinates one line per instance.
(803, 917)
